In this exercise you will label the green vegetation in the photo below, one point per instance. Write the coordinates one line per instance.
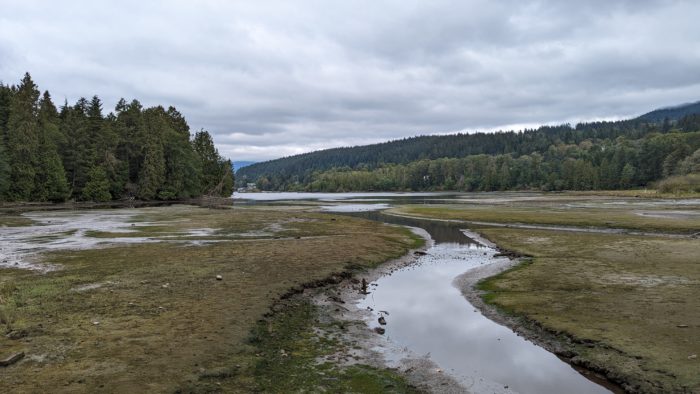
(630, 303)
(681, 184)
(78, 153)
(589, 156)
(290, 348)
(153, 316)
(626, 305)
(557, 215)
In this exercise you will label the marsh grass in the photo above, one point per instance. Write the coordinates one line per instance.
(158, 319)
(554, 214)
(625, 298)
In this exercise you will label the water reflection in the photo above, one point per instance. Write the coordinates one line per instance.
(428, 315)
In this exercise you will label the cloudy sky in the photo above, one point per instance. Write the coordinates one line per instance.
(274, 78)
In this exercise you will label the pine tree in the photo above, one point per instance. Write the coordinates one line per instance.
(152, 173)
(51, 181)
(4, 172)
(97, 186)
(23, 139)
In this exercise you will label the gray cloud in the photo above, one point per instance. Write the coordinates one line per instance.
(270, 79)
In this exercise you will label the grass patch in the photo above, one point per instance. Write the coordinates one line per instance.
(288, 358)
(153, 317)
(548, 213)
(636, 299)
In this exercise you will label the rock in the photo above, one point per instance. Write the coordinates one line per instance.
(11, 359)
(165, 286)
(682, 326)
(95, 323)
(381, 320)
(692, 357)
(420, 253)
(379, 330)
(219, 277)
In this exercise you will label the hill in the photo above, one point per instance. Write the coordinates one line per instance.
(599, 150)
(671, 113)
(237, 165)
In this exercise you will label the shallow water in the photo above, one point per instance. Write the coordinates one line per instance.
(70, 230)
(428, 315)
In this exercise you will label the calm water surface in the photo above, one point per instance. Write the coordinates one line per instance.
(428, 315)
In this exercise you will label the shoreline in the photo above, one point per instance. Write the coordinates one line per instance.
(370, 347)
(530, 329)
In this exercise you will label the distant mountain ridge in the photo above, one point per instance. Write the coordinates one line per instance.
(237, 165)
(675, 112)
(304, 171)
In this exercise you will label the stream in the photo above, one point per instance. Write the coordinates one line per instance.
(426, 313)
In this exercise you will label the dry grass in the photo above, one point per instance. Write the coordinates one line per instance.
(636, 298)
(555, 213)
(153, 317)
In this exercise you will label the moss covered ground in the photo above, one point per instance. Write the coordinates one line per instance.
(152, 317)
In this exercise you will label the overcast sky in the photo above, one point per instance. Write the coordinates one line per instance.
(275, 78)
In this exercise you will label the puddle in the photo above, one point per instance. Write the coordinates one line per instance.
(70, 230)
(426, 314)
(354, 207)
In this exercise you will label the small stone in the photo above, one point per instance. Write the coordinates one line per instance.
(379, 330)
(692, 357)
(382, 320)
(219, 277)
(95, 323)
(165, 286)
(438, 370)
(682, 326)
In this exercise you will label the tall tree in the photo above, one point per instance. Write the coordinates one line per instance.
(51, 181)
(23, 139)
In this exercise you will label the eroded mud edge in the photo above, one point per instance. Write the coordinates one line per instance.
(561, 344)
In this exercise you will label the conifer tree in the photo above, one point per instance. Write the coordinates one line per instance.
(23, 139)
(51, 181)
(152, 173)
(97, 186)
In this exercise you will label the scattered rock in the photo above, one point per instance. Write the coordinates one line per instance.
(381, 320)
(219, 277)
(165, 286)
(379, 330)
(11, 359)
(95, 323)
(682, 326)
(420, 253)
(692, 357)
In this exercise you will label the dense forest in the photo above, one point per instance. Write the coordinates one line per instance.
(598, 155)
(79, 153)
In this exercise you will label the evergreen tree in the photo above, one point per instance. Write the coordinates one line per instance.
(97, 186)
(152, 172)
(23, 139)
(51, 181)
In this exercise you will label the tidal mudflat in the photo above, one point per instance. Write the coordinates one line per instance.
(179, 312)
(200, 300)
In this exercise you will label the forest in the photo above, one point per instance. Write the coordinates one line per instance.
(590, 156)
(77, 152)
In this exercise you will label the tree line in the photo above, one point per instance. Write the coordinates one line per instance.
(599, 155)
(77, 152)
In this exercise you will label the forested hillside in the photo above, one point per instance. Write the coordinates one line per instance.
(598, 155)
(78, 152)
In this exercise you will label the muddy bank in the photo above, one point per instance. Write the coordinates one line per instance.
(581, 229)
(10, 208)
(338, 303)
(559, 343)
